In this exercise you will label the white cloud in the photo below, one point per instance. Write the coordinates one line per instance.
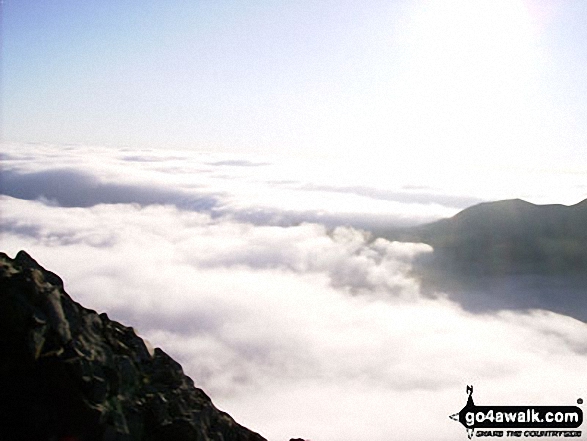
(368, 193)
(297, 330)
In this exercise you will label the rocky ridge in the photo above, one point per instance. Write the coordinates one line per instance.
(69, 373)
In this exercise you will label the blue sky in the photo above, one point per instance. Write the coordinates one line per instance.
(451, 82)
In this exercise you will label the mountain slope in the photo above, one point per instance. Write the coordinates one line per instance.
(508, 237)
(68, 373)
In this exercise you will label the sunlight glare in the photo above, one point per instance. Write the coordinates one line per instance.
(467, 91)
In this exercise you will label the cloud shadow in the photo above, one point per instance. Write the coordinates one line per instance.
(480, 293)
(70, 188)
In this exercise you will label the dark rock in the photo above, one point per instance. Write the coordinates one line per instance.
(67, 372)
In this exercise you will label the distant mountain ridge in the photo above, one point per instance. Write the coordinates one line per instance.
(507, 237)
(69, 373)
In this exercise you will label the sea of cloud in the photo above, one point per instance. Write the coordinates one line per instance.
(261, 277)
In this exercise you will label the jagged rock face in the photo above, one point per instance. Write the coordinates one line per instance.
(68, 373)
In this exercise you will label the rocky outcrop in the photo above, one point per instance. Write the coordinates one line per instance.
(69, 373)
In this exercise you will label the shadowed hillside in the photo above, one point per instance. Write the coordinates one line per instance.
(507, 237)
(507, 255)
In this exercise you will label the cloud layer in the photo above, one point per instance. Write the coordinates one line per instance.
(295, 329)
(333, 191)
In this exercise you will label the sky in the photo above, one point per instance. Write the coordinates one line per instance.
(212, 174)
(458, 83)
